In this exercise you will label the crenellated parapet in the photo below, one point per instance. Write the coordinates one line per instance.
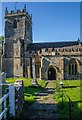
(74, 50)
(63, 51)
(22, 12)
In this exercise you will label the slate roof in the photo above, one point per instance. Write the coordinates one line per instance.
(38, 46)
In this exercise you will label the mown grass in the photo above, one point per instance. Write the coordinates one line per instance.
(70, 90)
(29, 90)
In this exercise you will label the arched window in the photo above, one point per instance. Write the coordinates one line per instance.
(73, 67)
(15, 24)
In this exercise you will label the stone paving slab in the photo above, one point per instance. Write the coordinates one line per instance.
(45, 106)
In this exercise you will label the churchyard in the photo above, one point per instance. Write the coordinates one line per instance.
(62, 101)
(32, 98)
(29, 91)
(71, 90)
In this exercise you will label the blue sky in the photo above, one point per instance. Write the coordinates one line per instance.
(51, 21)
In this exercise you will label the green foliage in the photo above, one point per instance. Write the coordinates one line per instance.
(42, 83)
(29, 90)
(1, 38)
(29, 98)
(70, 89)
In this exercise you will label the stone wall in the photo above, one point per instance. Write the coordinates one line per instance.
(66, 64)
(45, 64)
(16, 41)
(8, 67)
(59, 59)
(20, 24)
(57, 63)
(16, 44)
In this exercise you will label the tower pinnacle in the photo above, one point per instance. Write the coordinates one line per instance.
(24, 7)
(6, 11)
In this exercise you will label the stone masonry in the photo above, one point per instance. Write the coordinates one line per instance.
(54, 60)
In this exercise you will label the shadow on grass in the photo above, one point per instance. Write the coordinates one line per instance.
(45, 92)
(39, 111)
(29, 93)
(70, 86)
(32, 89)
(67, 112)
(46, 111)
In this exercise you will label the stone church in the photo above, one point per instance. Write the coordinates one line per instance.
(51, 60)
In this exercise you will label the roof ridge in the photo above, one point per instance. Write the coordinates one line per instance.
(54, 42)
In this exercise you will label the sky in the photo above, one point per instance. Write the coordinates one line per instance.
(52, 21)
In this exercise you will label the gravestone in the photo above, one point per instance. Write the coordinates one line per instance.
(3, 77)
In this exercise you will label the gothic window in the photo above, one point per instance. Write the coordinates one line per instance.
(69, 69)
(73, 68)
(15, 24)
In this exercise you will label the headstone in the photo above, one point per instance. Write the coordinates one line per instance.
(3, 77)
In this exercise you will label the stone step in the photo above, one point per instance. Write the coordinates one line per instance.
(47, 107)
(44, 116)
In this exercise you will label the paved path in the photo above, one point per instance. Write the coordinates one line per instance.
(45, 107)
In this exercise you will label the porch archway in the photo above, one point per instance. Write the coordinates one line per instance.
(51, 74)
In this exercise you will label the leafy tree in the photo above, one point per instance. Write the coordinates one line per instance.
(1, 38)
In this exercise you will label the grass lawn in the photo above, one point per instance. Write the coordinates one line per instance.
(29, 90)
(70, 90)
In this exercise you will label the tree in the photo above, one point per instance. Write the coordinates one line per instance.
(1, 38)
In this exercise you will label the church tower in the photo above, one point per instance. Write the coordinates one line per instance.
(18, 34)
